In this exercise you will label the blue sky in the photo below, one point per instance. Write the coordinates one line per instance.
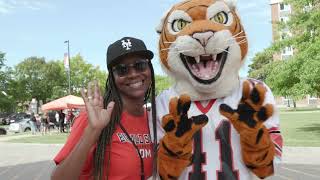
(40, 27)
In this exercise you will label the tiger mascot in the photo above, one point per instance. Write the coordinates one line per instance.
(216, 125)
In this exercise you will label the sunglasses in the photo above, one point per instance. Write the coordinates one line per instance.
(123, 69)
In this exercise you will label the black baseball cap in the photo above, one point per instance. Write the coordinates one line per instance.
(125, 46)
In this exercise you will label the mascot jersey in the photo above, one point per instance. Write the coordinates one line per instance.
(218, 144)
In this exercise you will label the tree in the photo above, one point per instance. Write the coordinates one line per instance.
(2, 59)
(260, 68)
(162, 83)
(36, 78)
(56, 80)
(6, 102)
(297, 76)
(303, 67)
(82, 73)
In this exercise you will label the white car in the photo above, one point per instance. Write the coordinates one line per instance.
(22, 125)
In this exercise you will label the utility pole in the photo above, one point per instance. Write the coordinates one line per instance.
(69, 66)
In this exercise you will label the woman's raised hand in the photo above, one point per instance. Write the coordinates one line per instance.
(98, 117)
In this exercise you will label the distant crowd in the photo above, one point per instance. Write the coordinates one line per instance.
(41, 122)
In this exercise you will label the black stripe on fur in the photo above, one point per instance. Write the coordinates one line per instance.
(169, 126)
(259, 135)
(168, 150)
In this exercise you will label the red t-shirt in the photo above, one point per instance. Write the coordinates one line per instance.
(125, 161)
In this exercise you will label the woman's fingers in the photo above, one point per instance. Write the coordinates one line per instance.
(101, 102)
(107, 113)
(98, 100)
(92, 96)
(84, 96)
(96, 89)
(89, 91)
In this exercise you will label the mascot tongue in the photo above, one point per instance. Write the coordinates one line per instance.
(206, 68)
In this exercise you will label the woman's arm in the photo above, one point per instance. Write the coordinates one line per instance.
(98, 118)
(72, 166)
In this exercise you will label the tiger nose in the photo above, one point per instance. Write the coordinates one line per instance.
(203, 37)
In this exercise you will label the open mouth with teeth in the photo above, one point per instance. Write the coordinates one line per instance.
(205, 68)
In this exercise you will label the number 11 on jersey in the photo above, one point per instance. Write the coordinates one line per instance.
(223, 138)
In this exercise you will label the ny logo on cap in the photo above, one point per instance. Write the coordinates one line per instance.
(126, 44)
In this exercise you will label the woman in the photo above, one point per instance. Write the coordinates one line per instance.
(98, 146)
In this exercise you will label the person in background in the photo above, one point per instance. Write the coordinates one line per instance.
(38, 123)
(61, 121)
(57, 120)
(33, 123)
(44, 124)
(70, 117)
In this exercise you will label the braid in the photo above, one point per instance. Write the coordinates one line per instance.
(154, 121)
(111, 94)
(151, 97)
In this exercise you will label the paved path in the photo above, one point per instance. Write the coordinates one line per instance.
(34, 162)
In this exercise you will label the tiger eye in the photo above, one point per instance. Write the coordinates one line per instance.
(179, 24)
(221, 18)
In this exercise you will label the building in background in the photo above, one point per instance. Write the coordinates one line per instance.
(280, 12)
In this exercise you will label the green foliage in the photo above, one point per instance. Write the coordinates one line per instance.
(162, 83)
(34, 76)
(2, 59)
(45, 80)
(284, 78)
(297, 76)
(6, 103)
(260, 67)
(82, 73)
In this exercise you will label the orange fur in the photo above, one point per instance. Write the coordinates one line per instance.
(175, 152)
(197, 11)
(257, 155)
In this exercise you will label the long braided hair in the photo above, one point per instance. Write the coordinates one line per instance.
(104, 142)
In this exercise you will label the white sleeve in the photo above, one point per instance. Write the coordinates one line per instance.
(162, 106)
(273, 125)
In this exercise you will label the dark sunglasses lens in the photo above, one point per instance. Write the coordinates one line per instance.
(141, 65)
(121, 70)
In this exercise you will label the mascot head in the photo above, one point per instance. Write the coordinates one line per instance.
(202, 46)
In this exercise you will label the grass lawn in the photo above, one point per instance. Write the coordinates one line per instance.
(46, 139)
(300, 128)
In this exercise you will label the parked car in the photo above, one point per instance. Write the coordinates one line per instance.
(16, 117)
(22, 125)
(3, 117)
(3, 131)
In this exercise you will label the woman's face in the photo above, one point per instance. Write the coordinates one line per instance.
(134, 82)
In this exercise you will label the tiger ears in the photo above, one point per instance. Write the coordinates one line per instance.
(231, 3)
(160, 26)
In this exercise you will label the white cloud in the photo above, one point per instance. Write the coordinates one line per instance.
(10, 6)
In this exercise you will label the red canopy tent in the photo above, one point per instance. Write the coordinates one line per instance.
(67, 102)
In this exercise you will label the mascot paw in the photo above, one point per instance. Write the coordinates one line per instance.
(257, 147)
(175, 151)
(251, 113)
